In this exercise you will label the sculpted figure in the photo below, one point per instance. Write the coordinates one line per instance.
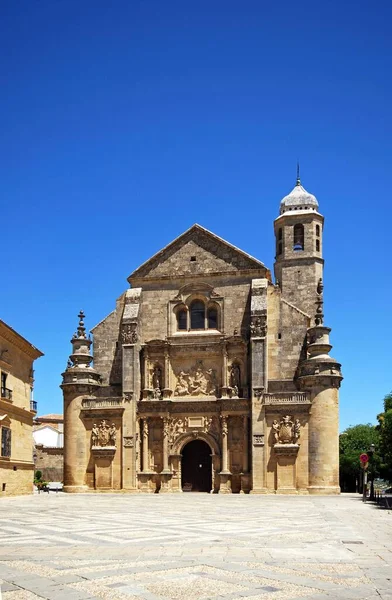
(182, 387)
(112, 435)
(157, 378)
(94, 435)
(235, 379)
(275, 431)
(211, 382)
(199, 384)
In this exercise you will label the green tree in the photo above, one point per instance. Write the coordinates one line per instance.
(353, 442)
(385, 431)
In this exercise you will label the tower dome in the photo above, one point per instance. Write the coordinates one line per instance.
(298, 199)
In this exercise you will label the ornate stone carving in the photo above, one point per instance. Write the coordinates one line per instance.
(176, 426)
(286, 431)
(166, 427)
(235, 380)
(258, 439)
(156, 380)
(145, 428)
(211, 426)
(224, 425)
(103, 435)
(128, 397)
(129, 333)
(258, 326)
(319, 317)
(128, 441)
(198, 382)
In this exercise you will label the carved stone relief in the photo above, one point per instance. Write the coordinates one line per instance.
(258, 439)
(258, 326)
(129, 333)
(287, 431)
(198, 381)
(128, 441)
(176, 426)
(103, 435)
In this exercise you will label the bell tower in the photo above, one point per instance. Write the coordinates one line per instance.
(299, 245)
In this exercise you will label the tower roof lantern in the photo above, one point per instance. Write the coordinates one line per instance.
(298, 199)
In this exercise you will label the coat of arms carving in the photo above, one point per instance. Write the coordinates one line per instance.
(103, 435)
(287, 431)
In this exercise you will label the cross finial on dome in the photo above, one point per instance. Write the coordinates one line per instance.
(298, 177)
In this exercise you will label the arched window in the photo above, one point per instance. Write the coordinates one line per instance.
(212, 318)
(197, 310)
(317, 245)
(280, 233)
(182, 320)
(299, 237)
(318, 230)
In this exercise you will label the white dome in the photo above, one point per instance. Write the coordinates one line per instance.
(298, 199)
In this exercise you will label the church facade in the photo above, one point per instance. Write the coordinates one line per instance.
(208, 375)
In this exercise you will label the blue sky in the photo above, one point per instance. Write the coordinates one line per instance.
(123, 123)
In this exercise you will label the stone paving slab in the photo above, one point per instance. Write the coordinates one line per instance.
(194, 547)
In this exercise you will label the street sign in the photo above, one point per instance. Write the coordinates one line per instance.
(364, 458)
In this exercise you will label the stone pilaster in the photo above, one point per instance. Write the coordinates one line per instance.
(258, 350)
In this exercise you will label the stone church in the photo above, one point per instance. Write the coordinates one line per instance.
(208, 375)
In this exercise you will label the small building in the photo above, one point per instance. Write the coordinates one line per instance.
(209, 375)
(17, 410)
(48, 430)
(48, 446)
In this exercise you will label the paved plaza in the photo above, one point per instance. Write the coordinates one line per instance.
(194, 546)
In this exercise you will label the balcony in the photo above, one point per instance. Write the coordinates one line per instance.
(33, 406)
(6, 394)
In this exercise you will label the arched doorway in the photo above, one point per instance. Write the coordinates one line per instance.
(196, 467)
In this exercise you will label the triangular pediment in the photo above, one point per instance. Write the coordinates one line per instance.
(197, 252)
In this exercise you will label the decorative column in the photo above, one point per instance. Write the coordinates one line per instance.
(166, 384)
(145, 446)
(166, 472)
(225, 483)
(145, 475)
(146, 373)
(224, 371)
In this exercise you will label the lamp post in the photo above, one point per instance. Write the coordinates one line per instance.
(371, 452)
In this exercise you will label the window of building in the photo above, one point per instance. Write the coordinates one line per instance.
(280, 234)
(299, 237)
(182, 319)
(212, 318)
(318, 230)
(5, 392)
(279, 248)
(197, 312)
(317, 245)
(5, 441)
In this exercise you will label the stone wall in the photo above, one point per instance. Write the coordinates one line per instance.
(50, 461)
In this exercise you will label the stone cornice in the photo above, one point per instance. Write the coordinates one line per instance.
(17, 340)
